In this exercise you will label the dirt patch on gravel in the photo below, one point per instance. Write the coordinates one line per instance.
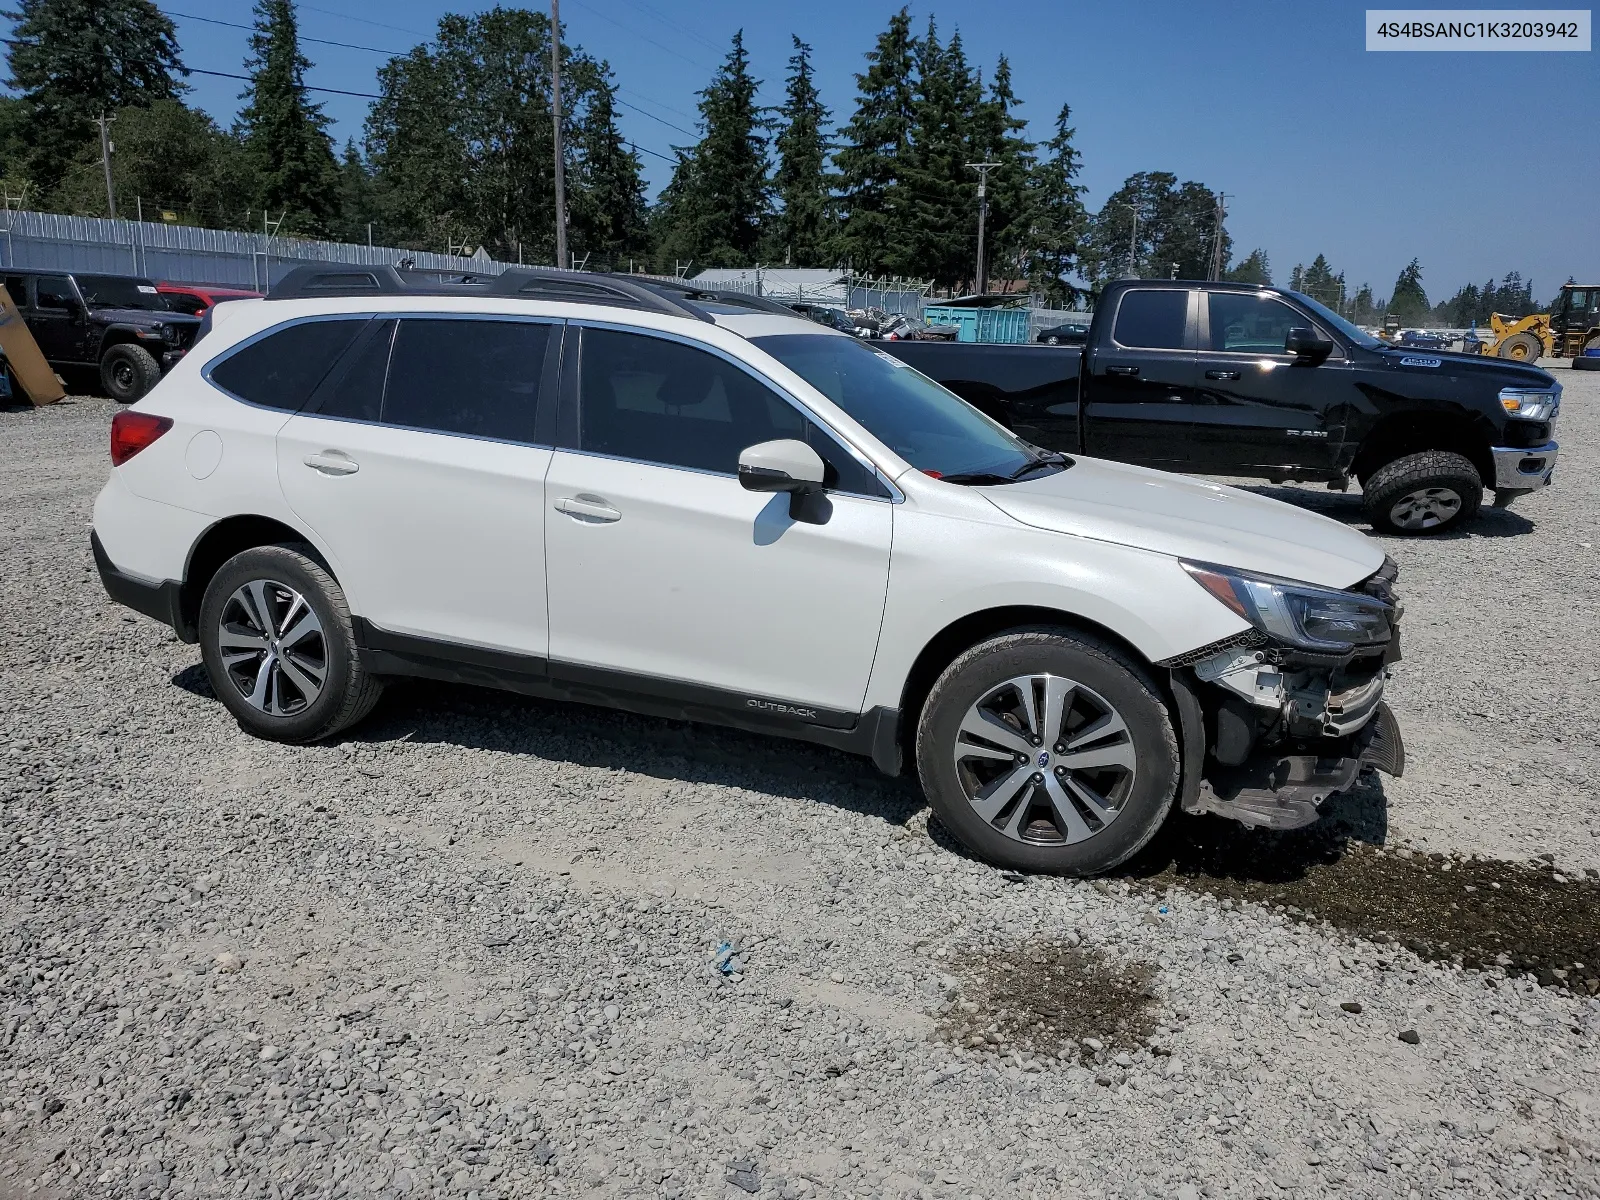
(1472, 911)
(1041, 996)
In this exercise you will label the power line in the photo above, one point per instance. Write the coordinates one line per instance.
(663, 120)
(307, 86)
(251, 29)
(668, 49)
(328, 12)
(675, 25)
(657, 103)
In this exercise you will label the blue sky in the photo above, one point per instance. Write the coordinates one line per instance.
(1467, 161)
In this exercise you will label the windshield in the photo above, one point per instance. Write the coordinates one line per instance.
(932, 429)
(1354, 332)
(114, 291)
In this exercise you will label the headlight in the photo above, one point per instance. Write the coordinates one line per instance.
(1299, 614)
(1531, 405)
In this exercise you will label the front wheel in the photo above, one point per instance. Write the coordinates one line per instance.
(1427, 493)
(128, 372)
(1521, 347)
(280, 648)
(1048, 750)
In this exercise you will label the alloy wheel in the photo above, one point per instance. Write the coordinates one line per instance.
(1425, 508)
(273, 648)
(1045, 760)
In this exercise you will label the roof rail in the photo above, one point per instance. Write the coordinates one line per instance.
(687, 291)
(532, 283)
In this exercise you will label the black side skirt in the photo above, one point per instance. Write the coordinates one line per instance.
(874, 734)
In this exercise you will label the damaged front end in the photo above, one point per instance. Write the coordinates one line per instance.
(1290, 712)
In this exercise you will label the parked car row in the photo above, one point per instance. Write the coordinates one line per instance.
(124, 330)
(708, 507)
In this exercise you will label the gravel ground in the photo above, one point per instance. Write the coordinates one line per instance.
(495, 946)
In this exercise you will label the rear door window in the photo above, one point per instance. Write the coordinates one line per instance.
(17, 289)
(1152, 320)
(282, 369)
(472, 377)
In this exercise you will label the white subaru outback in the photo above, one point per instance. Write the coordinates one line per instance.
(702, 506)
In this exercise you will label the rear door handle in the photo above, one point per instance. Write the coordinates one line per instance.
(588, 508)
(1222, 374)
(1122, 370)
(332, 462)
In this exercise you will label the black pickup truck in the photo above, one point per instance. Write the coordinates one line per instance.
(1241, 380)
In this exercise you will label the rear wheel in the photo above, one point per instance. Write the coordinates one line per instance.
(128, 372)
(1048, 750)
(1523, 347)
(279, 646)
(1425, 493)
(1052, 340)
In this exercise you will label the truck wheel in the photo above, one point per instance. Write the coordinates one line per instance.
(1423, 493)
(1523, 347)
(1044, 749)
(280, 649)
(128, 372)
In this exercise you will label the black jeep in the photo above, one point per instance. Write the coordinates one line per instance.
(119, 324)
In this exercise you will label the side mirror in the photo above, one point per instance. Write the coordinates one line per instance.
(786, 465)
(1303, 342)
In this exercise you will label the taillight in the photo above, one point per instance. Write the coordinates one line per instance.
(132, 431)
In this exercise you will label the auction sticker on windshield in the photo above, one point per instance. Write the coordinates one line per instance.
(1477, 29)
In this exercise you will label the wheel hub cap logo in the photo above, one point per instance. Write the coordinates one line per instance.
(1044, 758)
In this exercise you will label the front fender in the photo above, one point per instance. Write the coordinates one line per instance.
(943, 571)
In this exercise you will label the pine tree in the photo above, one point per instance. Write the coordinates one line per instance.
(1297, 279)
(802, 228)
(940, 189)
(1058, 214)
(74, 60)
(417, 154)
(1365, 310)
(607, 214)
(1410, 302)
(357, 206)
(874, 234)
(1254, 269)
(1183, 230)
(1320, 284)
(1176, 228)
(998, 137)
(718, 220)
(284, 133)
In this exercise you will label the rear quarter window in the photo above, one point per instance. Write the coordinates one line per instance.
(282, 369)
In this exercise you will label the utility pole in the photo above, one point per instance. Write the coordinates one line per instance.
(1216, 237)
(555, 108)
(1133, 235)
(105, 158)
(983, 169)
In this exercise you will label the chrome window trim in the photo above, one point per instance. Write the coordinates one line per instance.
(895, 496)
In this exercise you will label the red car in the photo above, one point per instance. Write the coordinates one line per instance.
(196, 298)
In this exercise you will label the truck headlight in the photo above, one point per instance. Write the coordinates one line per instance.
(1298, 614)
(1531, 404)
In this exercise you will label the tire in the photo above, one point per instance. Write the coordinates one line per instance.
(1586, 363)
(128, 372)
(280, 674)
(1052, 340)
(1134, 769)
(1427, 493)
(1523, 347)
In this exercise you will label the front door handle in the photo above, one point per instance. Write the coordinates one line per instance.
(1118, 370)
(588, 508)
(332, 462)
(1222, 374)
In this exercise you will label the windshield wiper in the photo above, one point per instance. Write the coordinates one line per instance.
(1044, 458)
(978, 477)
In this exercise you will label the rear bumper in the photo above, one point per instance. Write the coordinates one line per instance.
(161, 601)
(1517, 470)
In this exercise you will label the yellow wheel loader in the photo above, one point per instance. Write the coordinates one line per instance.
(1570, 328)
